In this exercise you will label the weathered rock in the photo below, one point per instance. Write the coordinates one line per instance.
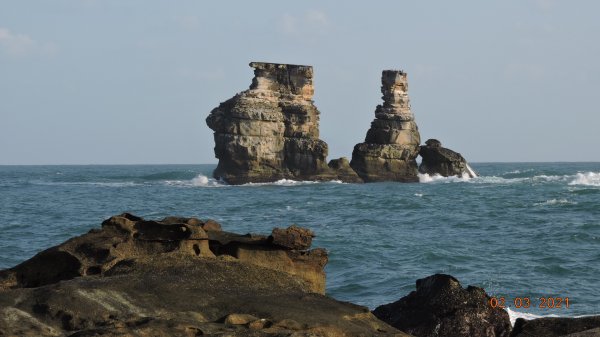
(441, 307)
(270, 131)
(557, 327)
(293, 237)
(239, 319)
(345, 173)
(392, 143)
(149, 279)
(442, 161)
(211, 225)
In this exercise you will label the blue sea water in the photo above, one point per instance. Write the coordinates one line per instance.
(518, 230)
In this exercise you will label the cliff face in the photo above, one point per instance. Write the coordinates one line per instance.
(392, 143)
(270, 131)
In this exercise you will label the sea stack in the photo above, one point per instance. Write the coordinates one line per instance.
(270, 131)
(392, 143)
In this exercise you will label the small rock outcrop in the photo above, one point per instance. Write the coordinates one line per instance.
(442, 161)
(392, 143)
(557, 327)
(270, 131)
(440, 307)
(178, 277)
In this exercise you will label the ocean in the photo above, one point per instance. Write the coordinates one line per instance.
(519, 230)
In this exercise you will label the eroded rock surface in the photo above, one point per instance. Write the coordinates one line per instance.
(392, 143)
(271, 131)
(177, 277)
(440, 307)
(442, 161)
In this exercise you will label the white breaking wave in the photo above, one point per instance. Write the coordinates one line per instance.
(555, 202)
(471, 172)
(290, 182)
(198, 181)
(587, 179)
(524, 315)
(426, 178)
(513, 315)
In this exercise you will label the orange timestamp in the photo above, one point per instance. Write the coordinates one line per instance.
(528, 302)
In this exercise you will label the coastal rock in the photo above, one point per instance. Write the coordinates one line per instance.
(442, 161)
(293, 237)
(344, 171)
(270, 131)
(557, 327)
(392, 143)
(136, 277)
(440, 307)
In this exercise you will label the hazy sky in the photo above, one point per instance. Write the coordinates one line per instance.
(131, 81)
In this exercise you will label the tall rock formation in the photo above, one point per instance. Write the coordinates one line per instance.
(270, 131)
(392, 142)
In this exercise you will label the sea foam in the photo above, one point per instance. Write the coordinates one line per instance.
(587, 179)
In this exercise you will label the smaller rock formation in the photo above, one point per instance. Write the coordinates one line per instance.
(392, 143)
(344, 172)
(271, 131)
(442, 161)
(440, 307)
(557, 327)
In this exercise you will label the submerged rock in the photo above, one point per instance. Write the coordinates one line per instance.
(392, 143)
(271, 131)
(137, 277)
(442, 161)
(440, 307)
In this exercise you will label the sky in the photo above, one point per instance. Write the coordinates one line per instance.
(132, 81)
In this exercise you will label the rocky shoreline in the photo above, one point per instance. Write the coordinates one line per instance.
(188, 277)
(271, 132)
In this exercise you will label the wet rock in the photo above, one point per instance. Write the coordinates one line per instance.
(392, 143)
(441, 307)
(442, 161)
(557, 326)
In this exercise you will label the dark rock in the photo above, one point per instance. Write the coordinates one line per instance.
(557, 326)
(270, 131)
(152, 278)
(440, 160)
(392, 143)
(441, 307)
(344, 172)
(293, 237)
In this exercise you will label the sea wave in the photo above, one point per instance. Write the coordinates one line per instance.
(198, 181)
(85, 183)
(587, 179)
(289, 182)
(513, 315)
(590, 179)
(426, 178)
(555, 202)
